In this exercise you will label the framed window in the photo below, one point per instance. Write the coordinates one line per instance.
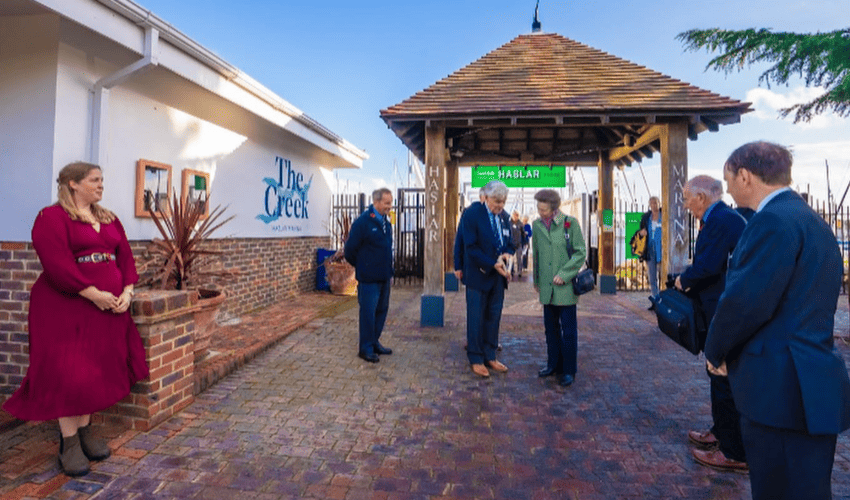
(153, 185)
(196, 187)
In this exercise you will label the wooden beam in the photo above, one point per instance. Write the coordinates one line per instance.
(674, 175)
(607, 279)
(435, 176)
(452, 212)
(651, 135)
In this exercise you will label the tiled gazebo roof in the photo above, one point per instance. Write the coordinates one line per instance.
(545, 79)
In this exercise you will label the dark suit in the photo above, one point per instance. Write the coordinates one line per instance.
(706, 278)
(773, 328)
(485, 287)
(458, 247)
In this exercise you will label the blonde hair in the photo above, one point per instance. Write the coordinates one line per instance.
(76, 172)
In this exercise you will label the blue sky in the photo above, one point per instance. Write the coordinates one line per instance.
(342, 62)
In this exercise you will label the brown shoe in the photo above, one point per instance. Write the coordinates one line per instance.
(716, 460)
(497, 367)
(93, 447)
(71, 458)
(480, 370)
(705, 439)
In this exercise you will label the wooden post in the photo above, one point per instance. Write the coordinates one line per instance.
(452, 209)
(433, 301)
(605, 218)
(674, 175)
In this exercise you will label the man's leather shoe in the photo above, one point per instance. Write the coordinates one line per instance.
(369, 356)
(480, 370)
(546, 372)
(718, 461)
(379, 349)
(704, 439)
(497, 367)
(566, 380)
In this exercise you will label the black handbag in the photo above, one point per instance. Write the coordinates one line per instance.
(584, 281)
(680, 318)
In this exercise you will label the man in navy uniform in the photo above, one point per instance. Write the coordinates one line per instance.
(369, 249)
(487, 248)
(773, 331)
(720, 230)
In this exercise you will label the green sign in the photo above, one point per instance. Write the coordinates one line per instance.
(608, 220)
(537, 176)
(632, 226)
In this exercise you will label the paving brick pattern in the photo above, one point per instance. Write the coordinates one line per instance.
(308, 419)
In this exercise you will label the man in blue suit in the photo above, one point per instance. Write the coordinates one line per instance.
(773, 331)
(487, 247)
(369, 249)
(720, 230)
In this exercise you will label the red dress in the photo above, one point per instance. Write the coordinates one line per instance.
(82, 359)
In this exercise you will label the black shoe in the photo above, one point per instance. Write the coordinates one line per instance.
(651, 307)
(369, 356)
(546, 372)
(379, 349)
(566, 380)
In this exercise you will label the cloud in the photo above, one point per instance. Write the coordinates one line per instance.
(767, 105)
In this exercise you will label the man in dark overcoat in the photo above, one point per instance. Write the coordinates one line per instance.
(720, 230)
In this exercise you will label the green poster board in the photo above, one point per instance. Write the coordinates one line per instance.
(632, 226)
(535, 177)
(608, 220)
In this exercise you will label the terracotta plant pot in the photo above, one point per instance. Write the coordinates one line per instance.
(209, 301)
(341, 278)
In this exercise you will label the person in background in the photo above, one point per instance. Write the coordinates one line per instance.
(519, 241)
(369, 249)
(650, 226)
(528, 233)
(558, 253)
(487, 248)
(772, 334)
(85, 351)
(720, 230)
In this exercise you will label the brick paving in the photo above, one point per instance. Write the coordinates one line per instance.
(308, 419)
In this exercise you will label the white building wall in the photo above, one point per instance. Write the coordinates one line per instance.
(141, 127)
(28, 54)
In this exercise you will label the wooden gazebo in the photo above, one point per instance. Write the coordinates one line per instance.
(543, 99)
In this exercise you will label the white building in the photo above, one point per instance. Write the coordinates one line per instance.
(109, 82)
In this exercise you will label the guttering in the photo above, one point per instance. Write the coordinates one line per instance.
(146, 18)
(100, 103)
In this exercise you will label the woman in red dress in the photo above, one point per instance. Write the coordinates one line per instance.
(85, 351)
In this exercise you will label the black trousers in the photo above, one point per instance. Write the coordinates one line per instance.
(727, 420)
(786, 464)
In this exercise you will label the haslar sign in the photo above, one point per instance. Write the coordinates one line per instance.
(545, 176)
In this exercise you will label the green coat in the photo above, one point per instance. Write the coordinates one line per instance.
(549, 249)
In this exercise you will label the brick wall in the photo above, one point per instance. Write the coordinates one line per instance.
(270, 270)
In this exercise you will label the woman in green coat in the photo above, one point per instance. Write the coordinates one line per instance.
(558, 253)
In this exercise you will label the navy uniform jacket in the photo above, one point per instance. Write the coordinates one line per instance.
(774, 321)
(369, 248)
(715, 243)
(481, 249)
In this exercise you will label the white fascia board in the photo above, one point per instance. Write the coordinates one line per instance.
(124, 22)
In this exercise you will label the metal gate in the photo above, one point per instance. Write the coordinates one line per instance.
(410, 235)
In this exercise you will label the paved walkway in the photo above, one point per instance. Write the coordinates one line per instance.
(308, 419)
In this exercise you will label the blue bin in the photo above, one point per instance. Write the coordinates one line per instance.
(321, 279)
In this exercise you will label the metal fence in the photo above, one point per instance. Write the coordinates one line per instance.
(408, 229)
(408, 237)
(631, 274)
